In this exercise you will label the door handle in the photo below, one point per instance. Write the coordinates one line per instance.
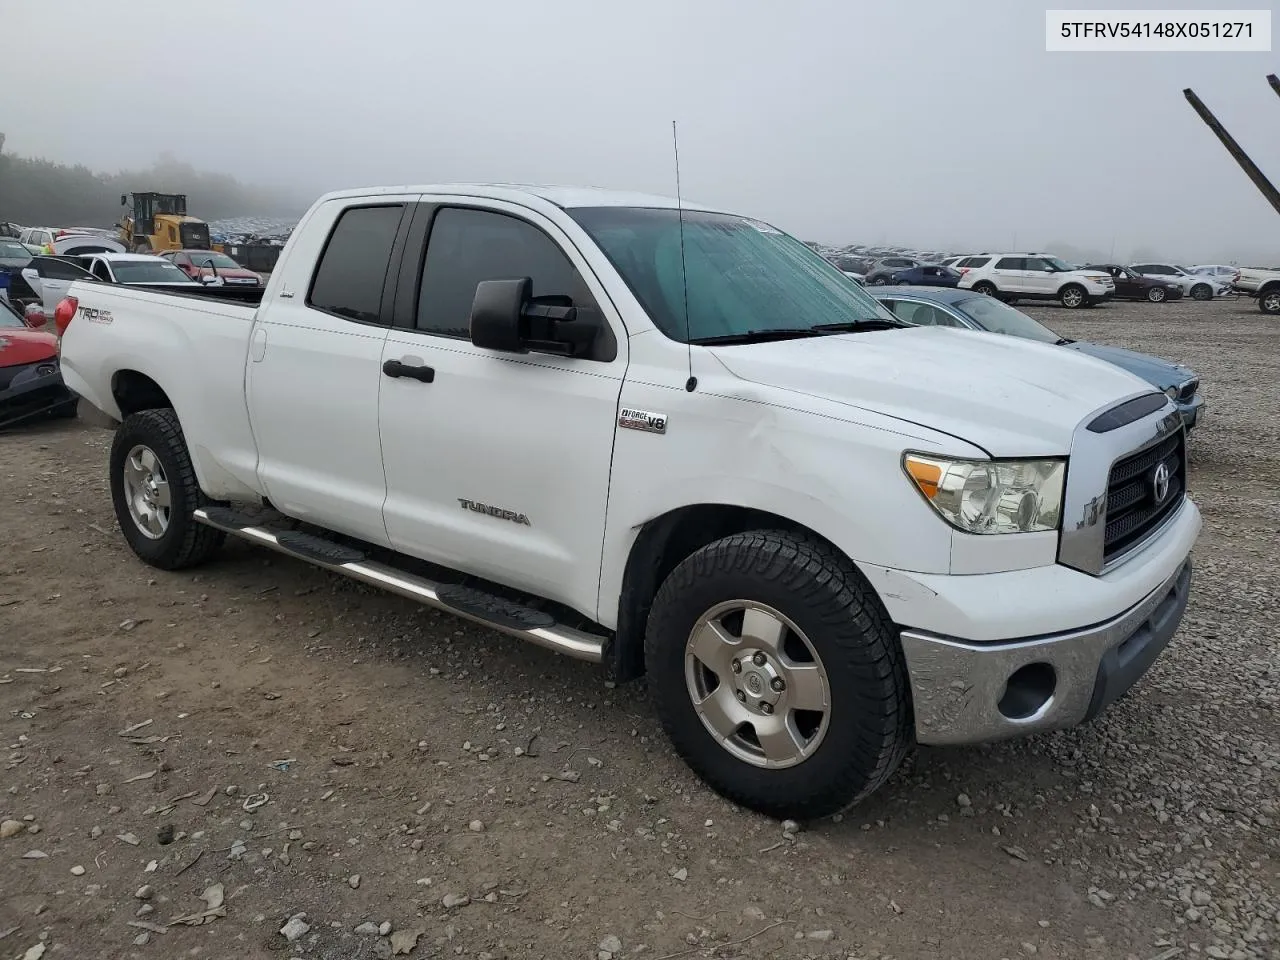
(394, 368)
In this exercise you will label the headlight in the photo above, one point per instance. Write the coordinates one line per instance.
(1172, 392)
(991, 496)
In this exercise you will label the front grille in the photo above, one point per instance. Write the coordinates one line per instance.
(1189, 390)
(1132, 509)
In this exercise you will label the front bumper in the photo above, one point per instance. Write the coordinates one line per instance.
(33, 391)
(975, 693)
(1191, 411)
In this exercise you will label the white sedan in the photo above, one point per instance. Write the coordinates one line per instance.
(1193, 285)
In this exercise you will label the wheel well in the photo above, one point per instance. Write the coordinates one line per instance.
(660, 546)
(134, 391)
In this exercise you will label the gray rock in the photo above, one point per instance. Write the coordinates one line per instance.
(611, 944)
(144, 892)
(452, 900)
(822, 935)
(295, 929)
(367, 929)
(384, 928)
(353, 881)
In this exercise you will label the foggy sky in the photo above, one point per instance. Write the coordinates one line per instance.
(916, 122)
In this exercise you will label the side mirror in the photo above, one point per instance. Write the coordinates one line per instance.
(124, 200)
(210, 281)
(505, 316)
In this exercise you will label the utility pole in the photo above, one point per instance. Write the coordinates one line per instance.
(1251, 169)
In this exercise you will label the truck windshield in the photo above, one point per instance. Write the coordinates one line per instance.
(744, 277)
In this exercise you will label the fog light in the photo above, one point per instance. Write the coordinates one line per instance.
(1028, 691)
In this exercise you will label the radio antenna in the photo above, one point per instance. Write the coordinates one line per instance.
(692, 383)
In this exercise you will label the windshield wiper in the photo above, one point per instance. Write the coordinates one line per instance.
(850, 326)
(789, 333)
(756, 336)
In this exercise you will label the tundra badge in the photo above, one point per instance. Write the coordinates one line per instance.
(631, 419)
(499, 512)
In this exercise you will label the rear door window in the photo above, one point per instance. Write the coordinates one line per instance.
(352, 271)
(1010, 263)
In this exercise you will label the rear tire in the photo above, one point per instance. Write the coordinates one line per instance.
(1269, 301)
(823, 760)
(1156, 295)
(985, 287)
(1073, 296)
(154, 491)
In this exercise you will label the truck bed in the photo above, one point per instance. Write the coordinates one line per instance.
(123, 338)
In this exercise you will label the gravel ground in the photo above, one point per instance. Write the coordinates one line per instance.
(281, 742)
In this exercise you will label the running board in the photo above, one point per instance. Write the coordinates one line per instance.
(495, 612)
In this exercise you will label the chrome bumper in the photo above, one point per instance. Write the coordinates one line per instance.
(975, 693)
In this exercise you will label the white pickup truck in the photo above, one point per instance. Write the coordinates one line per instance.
(675, 441)
(1262, 285)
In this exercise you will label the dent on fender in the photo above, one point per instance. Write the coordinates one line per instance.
(896, 585)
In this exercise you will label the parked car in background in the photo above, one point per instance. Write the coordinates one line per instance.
(77, 244)
(13, 255)
(210, 265)
(31, 383)
(1195, 287)
(926, 274)
(1035, 276)
(134, 269)
(932, 307)
(854, 275)
(1218, 271)
(1263, 285)
(47, 278)
(891, 263)
(1131, 285)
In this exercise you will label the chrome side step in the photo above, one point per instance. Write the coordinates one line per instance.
(495, 612)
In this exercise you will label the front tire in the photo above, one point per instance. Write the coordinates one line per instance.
(1202, 291)
(1156, 295)
(1073, 296)
(816, 714)
(154, 491)
(1269, 301)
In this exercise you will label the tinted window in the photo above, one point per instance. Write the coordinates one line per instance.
(55, 269)
(1010, 263)
(971, 262)
(467, 246)
(100, 271)
(353, 266)
(1035, 263)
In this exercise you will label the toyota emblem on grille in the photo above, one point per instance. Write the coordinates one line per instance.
(1160, 482)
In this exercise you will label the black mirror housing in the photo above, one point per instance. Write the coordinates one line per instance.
(495, 313)
(506, 316)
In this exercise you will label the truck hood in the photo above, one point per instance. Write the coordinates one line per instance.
(1160, 373)
(1011, 397)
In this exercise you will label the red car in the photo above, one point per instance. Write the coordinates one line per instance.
(30, 377)
(202, 264)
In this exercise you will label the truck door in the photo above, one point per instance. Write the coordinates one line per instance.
(314, 369)
(498, 463)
